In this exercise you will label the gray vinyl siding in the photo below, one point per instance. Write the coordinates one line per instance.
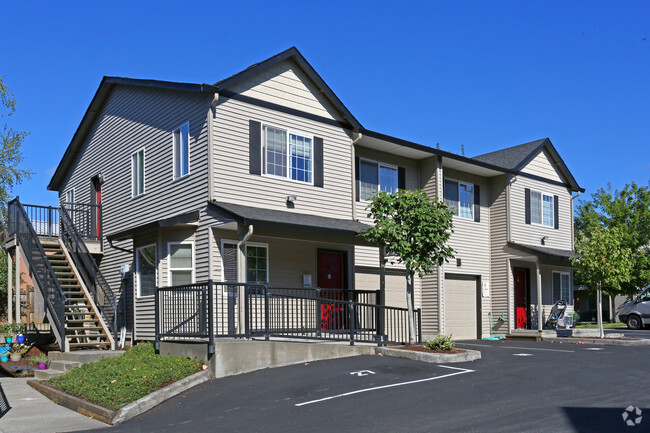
(144, 306)
(498, 238)
(287, 85)
(234, 184)
(131, 119)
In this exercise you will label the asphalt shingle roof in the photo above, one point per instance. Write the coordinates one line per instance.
(552, 253)
(512, 158)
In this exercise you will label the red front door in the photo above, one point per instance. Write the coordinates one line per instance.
(330, 276)
(97, 200)
(521, 305)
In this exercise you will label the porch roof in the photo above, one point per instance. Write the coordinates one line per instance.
(544, 252)
(290, 220)
(185, 218)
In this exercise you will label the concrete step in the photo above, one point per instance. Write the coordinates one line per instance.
(47, 374)
(97, 344)
(63, 366)
(84, 356)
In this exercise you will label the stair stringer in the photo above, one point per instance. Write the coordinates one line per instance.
(100, 317)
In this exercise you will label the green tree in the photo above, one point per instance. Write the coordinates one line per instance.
(602, 262)
(415, 229)
(11, 174)
(627, 210)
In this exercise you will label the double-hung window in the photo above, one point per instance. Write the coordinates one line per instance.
(542, 210)
(376, 176)
(137, 173)
(287, 154)
(181, 140)
(145, 266)
(459, 196)
(181, 263)
(257, 262)
(561, 286)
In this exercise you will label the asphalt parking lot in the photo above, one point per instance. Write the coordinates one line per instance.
(517, 386)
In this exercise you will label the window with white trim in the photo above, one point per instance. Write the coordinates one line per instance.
(69, 196)
(257, 262)
(181, 263)
(181, 140)
(376, 176)
(69, 204)
(562, 286)
(459, 196)
(287, 154)
(145, 270)
(137, 173)
(541, 209)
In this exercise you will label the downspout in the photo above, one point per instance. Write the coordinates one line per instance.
(241, 275)
(573, 197)
(354, 176)
(212, 113)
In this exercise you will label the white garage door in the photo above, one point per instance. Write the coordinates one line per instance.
(460, 307)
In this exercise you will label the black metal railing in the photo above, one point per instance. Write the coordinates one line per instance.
(210, 310)
(87, 219)
(93, 279)
(21, 227)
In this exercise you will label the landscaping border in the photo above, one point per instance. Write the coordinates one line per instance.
(435, 358)
(598, 341)
(126, 412)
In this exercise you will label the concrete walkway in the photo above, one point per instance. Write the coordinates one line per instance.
(32, 412)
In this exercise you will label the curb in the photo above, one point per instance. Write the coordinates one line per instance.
(434, 358)
(126, 412)
(598, 341)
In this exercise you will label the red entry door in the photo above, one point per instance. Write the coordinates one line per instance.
(97, 200)
(521, 305)
(330, 276)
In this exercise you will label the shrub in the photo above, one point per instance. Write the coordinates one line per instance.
(441, 342)
(114, 382)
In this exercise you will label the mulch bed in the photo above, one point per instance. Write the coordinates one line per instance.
(424, 349)
(21, 368)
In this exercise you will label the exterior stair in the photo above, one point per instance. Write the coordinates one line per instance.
(61, 362)
(83, 328)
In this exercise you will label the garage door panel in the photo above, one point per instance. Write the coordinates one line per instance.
(460, 307)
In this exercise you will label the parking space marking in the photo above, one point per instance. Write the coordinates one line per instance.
(517, 348)
(594, 348)
(522, 354)
(375, 388)
(362, 372)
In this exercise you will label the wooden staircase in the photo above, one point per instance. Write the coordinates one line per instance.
(83, 326)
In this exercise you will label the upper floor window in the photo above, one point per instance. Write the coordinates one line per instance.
(69, 196)
(137, 173)
(181, 150)
(145, 266)
(459, 196)
(542, 209)
(286, 154)
(376, 176)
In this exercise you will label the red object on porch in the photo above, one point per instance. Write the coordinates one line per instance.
(330, 276)
(520, 299)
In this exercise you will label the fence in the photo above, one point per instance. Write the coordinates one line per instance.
(209, 310)
(87, 219)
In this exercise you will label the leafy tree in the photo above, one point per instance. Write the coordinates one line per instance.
(414, 228)
(602, 262)
(627, 210)
(11, 174)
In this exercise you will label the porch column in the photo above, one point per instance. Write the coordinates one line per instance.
(539, 296)
(10, 305)
(382, 294)
(17, 283)
(244, 235)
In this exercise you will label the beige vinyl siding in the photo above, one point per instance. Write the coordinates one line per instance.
(234, 184)
(531, 234)
(430, 314)
(499, 285)
(131, 119)
(286, 84)
(543, 166)
(428, 176)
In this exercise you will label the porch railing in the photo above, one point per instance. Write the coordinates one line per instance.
(209, 310)
(22, 228)
(87, 219)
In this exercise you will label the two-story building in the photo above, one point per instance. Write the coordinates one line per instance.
(264, 177)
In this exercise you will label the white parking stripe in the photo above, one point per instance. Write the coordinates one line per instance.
(515, 347)
(359, 391)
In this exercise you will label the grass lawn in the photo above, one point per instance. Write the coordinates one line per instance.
(595, 325)
(114, 382)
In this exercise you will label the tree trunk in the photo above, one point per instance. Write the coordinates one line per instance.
(409, 305)
(611, 309)
(599, 298)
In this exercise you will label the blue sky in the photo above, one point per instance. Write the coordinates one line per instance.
(485, 75)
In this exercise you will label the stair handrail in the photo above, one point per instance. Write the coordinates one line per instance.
(90, 272)
(21, 227)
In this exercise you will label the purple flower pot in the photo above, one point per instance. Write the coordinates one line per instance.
(20, 338)
(42, 366)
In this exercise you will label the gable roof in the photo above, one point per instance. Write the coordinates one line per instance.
(516, 158)
(295, 55)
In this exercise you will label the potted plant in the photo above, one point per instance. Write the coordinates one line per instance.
(19, 328)
(17, 351)
(40, 361)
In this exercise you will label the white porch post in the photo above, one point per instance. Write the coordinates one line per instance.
(10, 305)
(17, 283)
(244, 235)
(539, 296)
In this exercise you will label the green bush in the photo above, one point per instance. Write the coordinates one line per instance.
(114, 382)
(441, 342)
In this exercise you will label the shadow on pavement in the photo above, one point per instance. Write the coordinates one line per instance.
(606, 419)
(4, 403)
